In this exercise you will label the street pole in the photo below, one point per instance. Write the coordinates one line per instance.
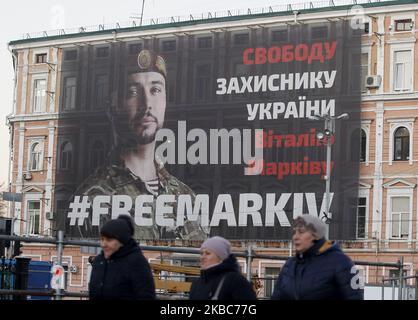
(59, 257)
(328, 128)
(400, 290)
(328, 133)
(249, 259)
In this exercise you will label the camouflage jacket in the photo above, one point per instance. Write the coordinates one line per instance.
(119, 180)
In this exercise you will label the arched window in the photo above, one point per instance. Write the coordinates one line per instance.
(66, 156)
(401, 144)
(97, 154)
(35, 157)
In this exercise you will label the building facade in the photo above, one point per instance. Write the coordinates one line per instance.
(50, 155)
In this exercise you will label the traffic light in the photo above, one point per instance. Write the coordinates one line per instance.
(17, 249)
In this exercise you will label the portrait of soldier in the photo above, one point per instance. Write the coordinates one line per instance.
(133, 168)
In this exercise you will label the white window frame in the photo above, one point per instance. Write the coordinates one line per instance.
(394, 193)
(32, 224)
(41, 160)
(364, 193)
(262, 265)
(394, 125)
(44, 104)
(28, 198)
(401, 47)
(364, 50)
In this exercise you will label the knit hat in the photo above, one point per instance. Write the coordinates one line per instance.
(220, 246)
(311, 223)
(121, 228)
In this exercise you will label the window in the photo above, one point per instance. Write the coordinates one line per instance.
(279, 35)
(35, 157)
(70, 55)
(395, 273)
(203, 81)
(361, 218)
(169, 45)
(241, 39)
(366, 27)
(171, 83)
(135, 48)
(363, 145)
(101, 90)
(404, 25)
(358, 145)
(90, 250)
(34, 217)
(70, 88)
(66, 156)
(364, 70)
(400, 217)
(61, 209)
(401, 144)
(39, 95)
(97, 155)
(270, 276)
(102, 52)
(40, 58)
(319, 32)
(402, 79)
(204, 42)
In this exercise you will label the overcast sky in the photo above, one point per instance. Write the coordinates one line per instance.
(26, 16)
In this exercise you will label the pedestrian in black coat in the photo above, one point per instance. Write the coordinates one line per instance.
(120, 271)
(320, 270)
(220, 277)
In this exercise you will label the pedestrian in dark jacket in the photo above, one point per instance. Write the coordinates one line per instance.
(320, 270)
(120, 271)
(220, 277)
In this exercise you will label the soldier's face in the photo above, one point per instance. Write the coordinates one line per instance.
(145, 103)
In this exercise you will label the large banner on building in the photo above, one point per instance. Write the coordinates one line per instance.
(218, 133)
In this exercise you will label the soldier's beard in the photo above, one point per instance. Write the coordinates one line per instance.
(145, 137)
(144, 132)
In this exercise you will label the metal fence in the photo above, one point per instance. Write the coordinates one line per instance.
(384, 281)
